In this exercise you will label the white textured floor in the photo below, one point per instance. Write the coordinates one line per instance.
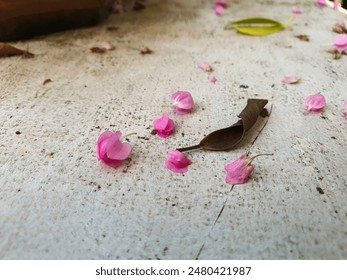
(58, 202)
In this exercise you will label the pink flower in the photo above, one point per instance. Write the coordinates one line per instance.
(212, 80)
(345, 112)
(107, 46)
(177, 162)
(205, 67)
(321, 3)
(296, 11)
(340, 42)
(336, 4)
(110, 149)
(164, 126)
(239, 170)
(183, 102)
(315, 103)
(220, 6)
(290, 79)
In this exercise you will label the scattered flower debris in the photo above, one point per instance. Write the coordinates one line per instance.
(296, 11)
(315, 103)
(177, 162)
(321, 3)
(336, 4)
(105, 47)
(47, 81)
(205, 67)
(111, 150)
(304, 38)
(164, 126)
(290, 79)
(212, 79)
(9, 50)
(183, 102)
(146, 50)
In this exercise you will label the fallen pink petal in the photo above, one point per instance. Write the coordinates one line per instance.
(336, 4)
(239, 171)
(205, 67)
(340, 42)
(212, 80)
(220, 6)
(321, 3)
(164, 126)
(296, 11)
(111, 150)
(177, 162)
(315, 103)
(183, 102)
(290, 79)
(345, 110)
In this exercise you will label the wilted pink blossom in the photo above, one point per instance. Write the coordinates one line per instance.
(205, 67)
(345, 110)
(315, 103)
(111, 150)
(164, 126)
(290, 79)
(220, 6)
(177, 162)
(183, 102)
(296, 11)
(321, 3)
(212, 79)
(340, 42)
(239, 171)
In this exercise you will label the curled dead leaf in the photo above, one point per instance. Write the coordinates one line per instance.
(227, 138)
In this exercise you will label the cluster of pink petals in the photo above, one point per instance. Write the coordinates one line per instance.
(111, 150)
(290, 79)
(345, 110)
(205, 67)
(239, 171)
(164, 126)
(212, 79)
(340, 42)
(177, 162)
(296, 11)
(315, 103)
(321, 3)
(183, 102)
(220, 6)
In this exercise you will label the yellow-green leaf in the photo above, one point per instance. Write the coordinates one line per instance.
(256, 26)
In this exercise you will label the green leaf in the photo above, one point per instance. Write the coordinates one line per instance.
(256, 26)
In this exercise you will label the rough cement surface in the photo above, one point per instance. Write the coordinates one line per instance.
(58, 202)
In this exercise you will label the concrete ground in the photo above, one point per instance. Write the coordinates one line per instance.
(58, 202)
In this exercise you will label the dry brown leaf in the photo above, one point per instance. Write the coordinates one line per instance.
(9, 50)
(227, 138)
